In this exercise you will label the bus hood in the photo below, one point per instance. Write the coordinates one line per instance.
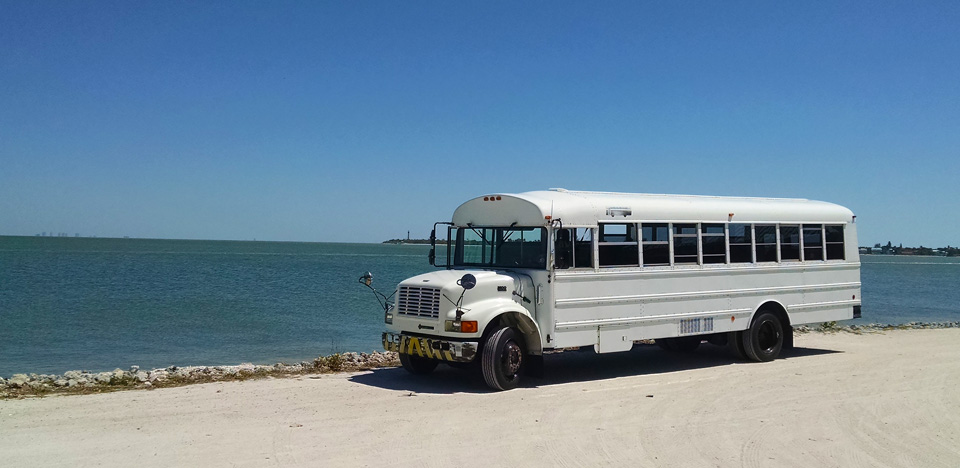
(490, 285)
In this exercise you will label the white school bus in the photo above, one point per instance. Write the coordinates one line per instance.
(548, 270)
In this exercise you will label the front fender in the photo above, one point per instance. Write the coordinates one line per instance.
(502, 312)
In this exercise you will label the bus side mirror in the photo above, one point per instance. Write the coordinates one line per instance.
(367, 278)
(468, 281)
(432, 256)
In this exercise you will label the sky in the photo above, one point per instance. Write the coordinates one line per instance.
(358, 121)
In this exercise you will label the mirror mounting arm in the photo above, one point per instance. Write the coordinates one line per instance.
(367, 280)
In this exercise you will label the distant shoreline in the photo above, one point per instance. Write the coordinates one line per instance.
(413, 242)
(250, 241)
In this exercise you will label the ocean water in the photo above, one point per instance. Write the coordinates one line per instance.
(98, 304)
(901, 289)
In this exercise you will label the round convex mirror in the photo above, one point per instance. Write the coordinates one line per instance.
(468, 281)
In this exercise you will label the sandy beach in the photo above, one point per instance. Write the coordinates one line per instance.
(883, 399)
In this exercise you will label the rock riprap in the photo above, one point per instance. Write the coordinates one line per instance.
(79, 381)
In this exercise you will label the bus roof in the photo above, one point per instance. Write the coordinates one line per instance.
(575, 208)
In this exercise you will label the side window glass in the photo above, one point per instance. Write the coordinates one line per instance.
(618, 244)
(583, 248)
(766, 242)
(656, 244)
(684, 243)
(812, 242)
(713, 241)
(563, 249)
(741, 243)
(789, 242)
(834, 236)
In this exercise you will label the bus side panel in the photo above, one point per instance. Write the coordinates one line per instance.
(665, 303)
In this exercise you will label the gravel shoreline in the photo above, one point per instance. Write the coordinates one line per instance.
(84, 382)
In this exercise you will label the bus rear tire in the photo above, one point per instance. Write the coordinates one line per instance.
(764, 339)
(502, 360)
(735, 343)
(418, 365)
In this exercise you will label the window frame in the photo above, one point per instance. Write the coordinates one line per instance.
(668, 242)
(832, 250)
(701, 234)
(842, 243)
(636, 242)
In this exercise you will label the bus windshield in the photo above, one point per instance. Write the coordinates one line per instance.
(501, 247)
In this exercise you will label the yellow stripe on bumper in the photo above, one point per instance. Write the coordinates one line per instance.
(443, 350)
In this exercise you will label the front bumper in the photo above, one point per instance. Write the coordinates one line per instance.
(433, 348)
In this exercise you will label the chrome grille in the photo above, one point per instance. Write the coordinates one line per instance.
(419, 302)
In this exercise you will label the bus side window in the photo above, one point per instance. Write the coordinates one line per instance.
(656, 244)
(713, 243)
(563, 249)
(766, 242)
(789, 242)
(618, 244)
(812, 242)
(834, 237)
(583, 248)
(741, 244)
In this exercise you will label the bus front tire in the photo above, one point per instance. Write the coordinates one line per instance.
(418, 365)
(502, 359)
(764, 339)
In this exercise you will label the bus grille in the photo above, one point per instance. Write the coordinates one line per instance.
(419, 302)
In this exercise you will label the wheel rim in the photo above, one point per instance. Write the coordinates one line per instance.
(511, 358)
(768, 336)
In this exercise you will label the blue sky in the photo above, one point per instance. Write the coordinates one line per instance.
(359, 121)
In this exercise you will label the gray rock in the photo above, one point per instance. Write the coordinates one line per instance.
(73, 374)
(60, 382)
(134, 369)
(18, 380)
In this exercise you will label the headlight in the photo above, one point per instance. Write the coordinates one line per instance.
(461, 326)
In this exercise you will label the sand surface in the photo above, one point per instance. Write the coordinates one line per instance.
(890, 399)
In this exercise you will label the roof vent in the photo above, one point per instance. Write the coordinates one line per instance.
(615, 211)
